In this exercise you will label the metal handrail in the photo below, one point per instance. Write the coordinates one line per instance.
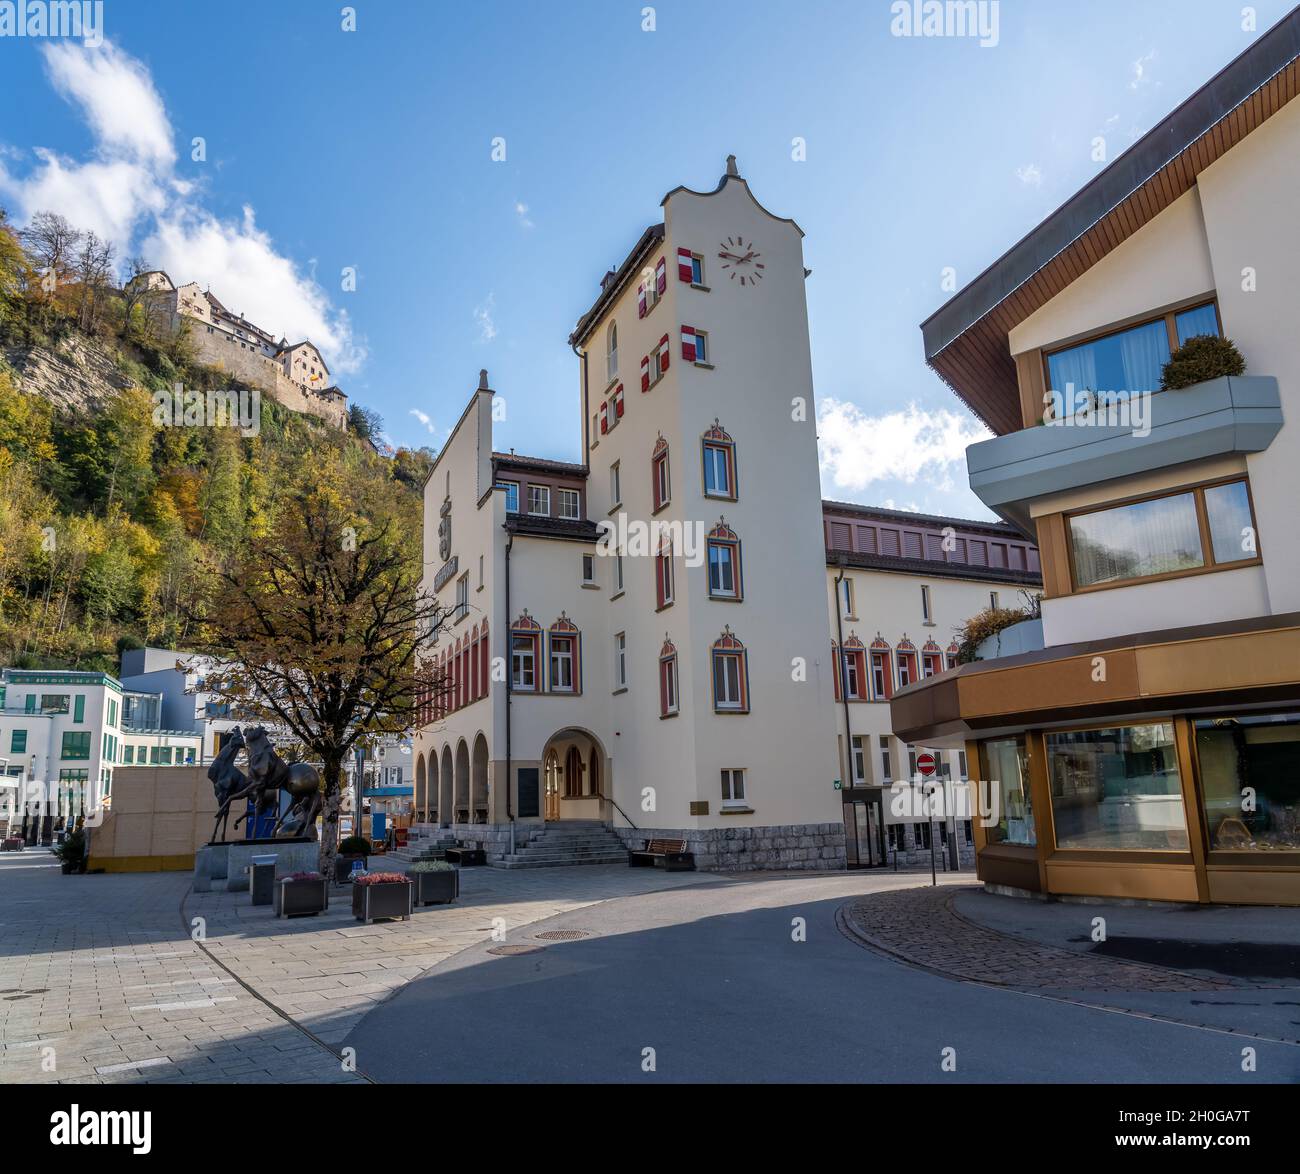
(624, 814)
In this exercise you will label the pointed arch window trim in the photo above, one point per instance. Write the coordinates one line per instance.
(724, 565)
(525, 655)
(564, 658)
(718, 464)
(669, 684)
(729, 660)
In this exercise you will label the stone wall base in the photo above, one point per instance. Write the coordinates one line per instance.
(800, 847)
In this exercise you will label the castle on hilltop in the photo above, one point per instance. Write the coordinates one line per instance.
(295, 374)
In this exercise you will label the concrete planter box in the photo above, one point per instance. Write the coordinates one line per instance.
(392, 899)
(301, 898)
(436, 888)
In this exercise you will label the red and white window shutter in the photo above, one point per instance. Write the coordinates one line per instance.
(688, 344)
(645, 373)
(663, 354)
(618, 402)
(661, 276)
(604, 418)
(685, 265)
(640, 300)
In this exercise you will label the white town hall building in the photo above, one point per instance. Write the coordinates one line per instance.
(685, 687)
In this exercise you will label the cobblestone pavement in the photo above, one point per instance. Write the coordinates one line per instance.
(920, 926)
(101, 983)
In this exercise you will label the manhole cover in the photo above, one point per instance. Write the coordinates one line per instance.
(516, 949)
(563, 935)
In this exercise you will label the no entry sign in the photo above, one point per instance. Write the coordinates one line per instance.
(925, 764)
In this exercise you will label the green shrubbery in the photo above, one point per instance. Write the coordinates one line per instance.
(1205, 357)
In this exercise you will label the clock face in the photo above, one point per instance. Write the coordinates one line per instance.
(740, 260)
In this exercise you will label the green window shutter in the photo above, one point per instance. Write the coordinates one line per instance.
(18, 742)
(31, 703)
(79, 708)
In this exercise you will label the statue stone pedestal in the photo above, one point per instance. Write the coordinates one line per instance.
(225, 867)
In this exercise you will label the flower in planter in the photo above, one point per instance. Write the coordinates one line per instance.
(305, 876)
(382, 878)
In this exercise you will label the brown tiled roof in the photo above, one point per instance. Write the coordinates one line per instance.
(931, 568)
(1003, 529)
(532, 526)
(524, 464)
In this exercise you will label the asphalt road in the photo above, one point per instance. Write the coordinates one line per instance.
(710, 985)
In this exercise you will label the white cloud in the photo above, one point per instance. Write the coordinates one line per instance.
(117, 98)
(1139, 71)
(129, 192)
(424, 419)
(1030, 175)
(487, 327)
(857, 450)
(521, 211)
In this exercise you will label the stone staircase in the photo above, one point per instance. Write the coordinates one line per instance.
(423, 842)
(566, 844)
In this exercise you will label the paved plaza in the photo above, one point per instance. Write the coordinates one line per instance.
(766, 976)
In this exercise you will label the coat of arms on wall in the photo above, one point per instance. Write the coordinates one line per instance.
(444, 531)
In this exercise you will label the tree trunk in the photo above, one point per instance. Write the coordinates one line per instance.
(331, 784)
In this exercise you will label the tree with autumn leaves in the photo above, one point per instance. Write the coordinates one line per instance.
(320, 624)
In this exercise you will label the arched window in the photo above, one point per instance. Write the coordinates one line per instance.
(669, 702)
(564, 657)
(719, 454)
(473, 665)
(931, 659)
(484, 670)
(725, 579)
(593, 772)
(730, 662)
(852, 679)
(660, 481)
(882, 670)
(573, 773)
(525, 654)
(907, 664)
(611, 352)
(951, 655)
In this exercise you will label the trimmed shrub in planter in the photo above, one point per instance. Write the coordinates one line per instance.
(351, 848)
(301, 895)
(382, 894)
(1199, 359)
(72, 852)
(436, 882)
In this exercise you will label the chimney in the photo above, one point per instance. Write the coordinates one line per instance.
(731, 166)
(607, 280)
(482, 379)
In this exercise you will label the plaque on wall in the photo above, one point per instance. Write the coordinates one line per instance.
(700, 808)
(529, 792)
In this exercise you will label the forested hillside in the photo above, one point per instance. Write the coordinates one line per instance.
(109, 521)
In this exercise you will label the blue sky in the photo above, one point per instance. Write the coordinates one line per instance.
(372, 149)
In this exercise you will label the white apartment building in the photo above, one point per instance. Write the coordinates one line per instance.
(679, 682)
(63, 732)
(1149, 747)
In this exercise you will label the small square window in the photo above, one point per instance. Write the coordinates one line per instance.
(733, 788)
(697, 269)
(511, 489)
(539, 500)
(588, 568)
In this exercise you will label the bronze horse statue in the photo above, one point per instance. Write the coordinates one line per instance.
(228, 781)
(269, 775)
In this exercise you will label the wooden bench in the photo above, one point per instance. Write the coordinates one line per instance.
(671, 855)
(465, 854)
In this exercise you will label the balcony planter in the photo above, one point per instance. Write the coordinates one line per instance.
(301, 895)
(382, 894)
(12, 844)
(436, 883)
